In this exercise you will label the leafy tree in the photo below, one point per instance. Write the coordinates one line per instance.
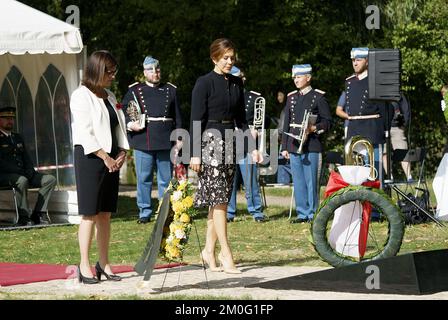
(418, 28)
(271, 36)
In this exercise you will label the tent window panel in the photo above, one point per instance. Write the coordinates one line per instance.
(44, 126)
(25, 119)
(15, 92)
(62, 125)
(53, 126)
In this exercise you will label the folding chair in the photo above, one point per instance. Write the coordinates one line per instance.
(14, 191)
(412, 156)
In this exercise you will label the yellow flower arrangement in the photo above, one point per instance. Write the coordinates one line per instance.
(179, 221)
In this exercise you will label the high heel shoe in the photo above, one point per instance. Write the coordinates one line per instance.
(86, 280)
(227, 268)
(206, 262)
(100, 271)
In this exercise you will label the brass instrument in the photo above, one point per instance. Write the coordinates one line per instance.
(308, 120)
(353, 156)
(135, 112)
(259, 116)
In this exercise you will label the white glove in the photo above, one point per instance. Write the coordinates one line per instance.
(443, 105)
(134, 126)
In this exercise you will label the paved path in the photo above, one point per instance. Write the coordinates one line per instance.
(190, 281)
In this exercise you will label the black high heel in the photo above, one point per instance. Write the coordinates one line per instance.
(86, 280)
(100, 271)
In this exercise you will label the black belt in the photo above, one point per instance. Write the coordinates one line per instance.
(221, 121)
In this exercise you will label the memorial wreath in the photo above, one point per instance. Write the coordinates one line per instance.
(178, 224)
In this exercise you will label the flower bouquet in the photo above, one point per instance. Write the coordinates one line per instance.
(178, 224)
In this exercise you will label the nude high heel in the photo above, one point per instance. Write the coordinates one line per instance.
(205, 258)
(227, 266)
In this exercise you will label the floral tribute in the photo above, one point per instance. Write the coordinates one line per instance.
(179, 221)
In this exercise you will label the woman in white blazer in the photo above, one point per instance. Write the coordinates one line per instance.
(100, 144)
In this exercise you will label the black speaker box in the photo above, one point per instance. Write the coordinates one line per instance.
(413, 273)
(384, 74)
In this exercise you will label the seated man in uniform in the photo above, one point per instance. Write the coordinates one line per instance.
(16, 169)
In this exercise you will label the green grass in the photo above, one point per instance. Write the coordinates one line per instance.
(276, 242)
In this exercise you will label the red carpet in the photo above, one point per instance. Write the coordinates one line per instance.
(17, 273)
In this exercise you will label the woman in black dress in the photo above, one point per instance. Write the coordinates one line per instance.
(100, 142)
(217, 106)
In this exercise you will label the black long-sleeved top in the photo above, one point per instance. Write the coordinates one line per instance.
(113, 120)
(219, 98)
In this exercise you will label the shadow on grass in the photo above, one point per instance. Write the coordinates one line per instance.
(127, 208)
(281, 214)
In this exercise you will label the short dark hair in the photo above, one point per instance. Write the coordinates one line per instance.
(219, 47)
(95, 70)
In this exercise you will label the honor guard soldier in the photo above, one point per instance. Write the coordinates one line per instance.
(247, 171)
(159, 107)
(306, 160)
(16, 169)
(363, 117)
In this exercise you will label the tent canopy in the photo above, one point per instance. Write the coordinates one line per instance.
(24, 29)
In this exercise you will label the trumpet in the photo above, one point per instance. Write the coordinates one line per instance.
(308, 120)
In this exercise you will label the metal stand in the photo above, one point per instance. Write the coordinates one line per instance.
(291, 202)
(202, 258)
(263, 192)
(401, 193)
(180, 266)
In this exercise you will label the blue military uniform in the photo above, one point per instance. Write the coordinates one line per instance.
(366, 118)
(247, 171)
(248, 174)
(249, 98)
(160, 105)
(305, 166)
(296, 104)
(16, 169)
(357, 104)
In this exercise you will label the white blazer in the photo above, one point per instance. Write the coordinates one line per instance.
(90, 121)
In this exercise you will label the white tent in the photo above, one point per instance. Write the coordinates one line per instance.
(40, 65)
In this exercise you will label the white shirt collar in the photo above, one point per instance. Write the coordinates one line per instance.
(5, 133)
(152, 85)
(304, 91)
(362, 75)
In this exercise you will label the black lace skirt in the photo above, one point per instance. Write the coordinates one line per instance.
(217, 172)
